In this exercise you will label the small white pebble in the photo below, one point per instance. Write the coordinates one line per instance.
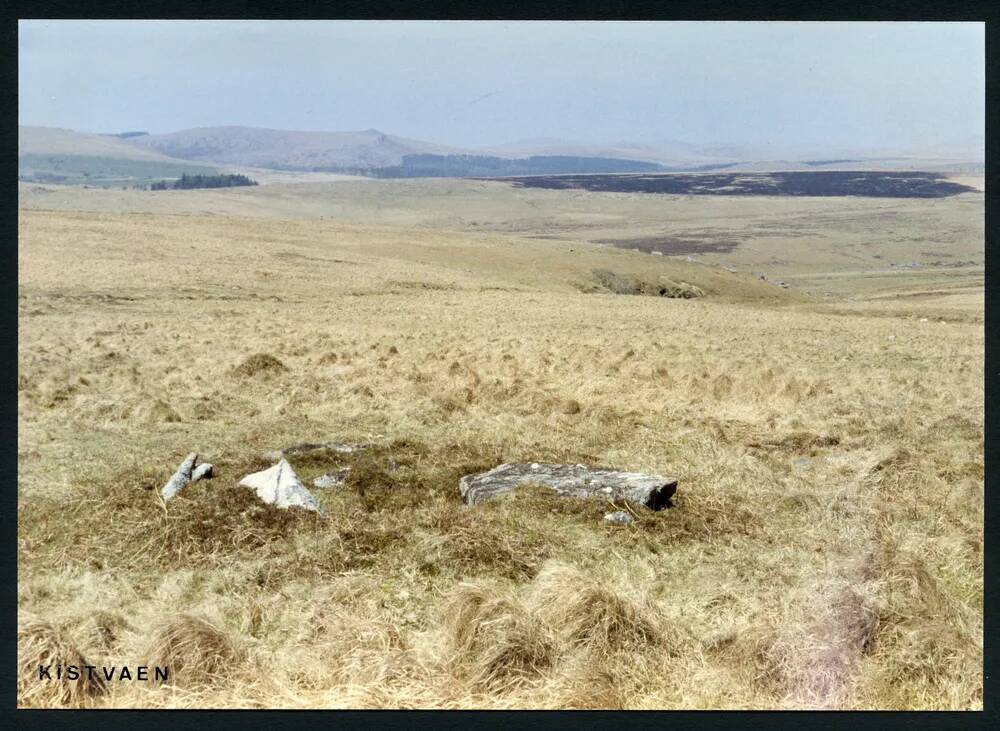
(620, 518)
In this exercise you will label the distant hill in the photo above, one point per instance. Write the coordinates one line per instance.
(961, 155)
(58, 155)
(50, 155)
(463, 166)
(289, 150)
(369, 152)
(666, 152)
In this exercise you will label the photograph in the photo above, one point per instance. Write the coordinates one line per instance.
(629, 365)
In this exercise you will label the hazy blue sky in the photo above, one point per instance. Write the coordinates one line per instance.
(899, 85)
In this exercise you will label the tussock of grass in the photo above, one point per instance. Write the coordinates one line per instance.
(494, 642)
(563, 624)
(593, 616)
(195, 651)
(158, 411)
(39, 643)
(927, 644)
(259, 363)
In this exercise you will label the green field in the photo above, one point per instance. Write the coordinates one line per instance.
(101, 171)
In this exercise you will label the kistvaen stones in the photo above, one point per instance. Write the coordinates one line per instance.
(569, 480)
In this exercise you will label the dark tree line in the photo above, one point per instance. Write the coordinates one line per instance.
(187, 182)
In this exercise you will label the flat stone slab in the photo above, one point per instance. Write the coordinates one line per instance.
(339, 447)
(569, 480)
(280, 486)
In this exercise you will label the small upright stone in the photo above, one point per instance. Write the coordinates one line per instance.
(180, 479)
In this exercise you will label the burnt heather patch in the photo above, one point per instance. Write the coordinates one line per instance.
(819, 183)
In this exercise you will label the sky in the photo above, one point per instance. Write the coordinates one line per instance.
(826, 85)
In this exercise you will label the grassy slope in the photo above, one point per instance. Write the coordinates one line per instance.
(311, 257)
(54, 141)
(102, 171)
(825, 550)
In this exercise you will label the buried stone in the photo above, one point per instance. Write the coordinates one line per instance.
(619, 517)
(332, 479)
(651, 491)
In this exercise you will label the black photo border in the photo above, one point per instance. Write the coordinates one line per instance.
(759, 10)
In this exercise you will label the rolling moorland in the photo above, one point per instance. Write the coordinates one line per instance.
(824, 548)
(110, 160)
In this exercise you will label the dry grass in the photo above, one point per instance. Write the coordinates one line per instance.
(106, 630)
(824, 550)
(41, 645)
(259, 363)
(840, 245)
